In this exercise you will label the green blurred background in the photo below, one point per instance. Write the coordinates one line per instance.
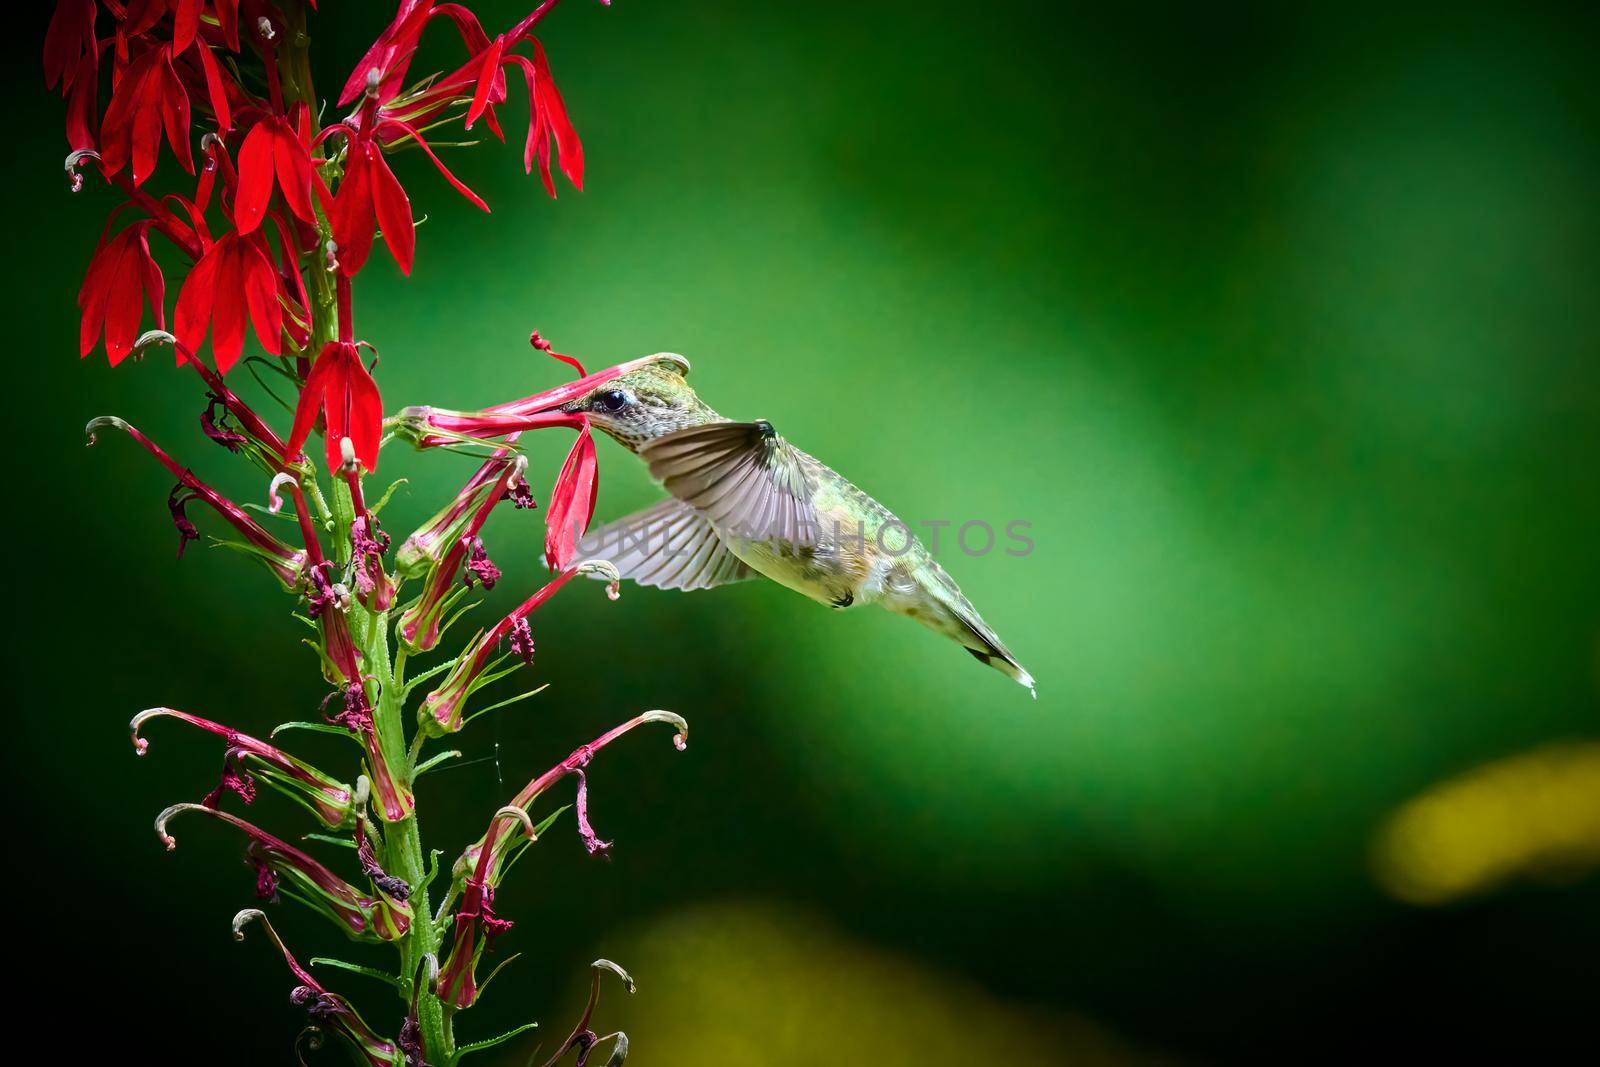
(1278, 325)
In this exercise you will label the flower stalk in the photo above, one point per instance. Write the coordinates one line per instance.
(273, 226)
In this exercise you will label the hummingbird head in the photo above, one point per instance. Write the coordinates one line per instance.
(644, 403)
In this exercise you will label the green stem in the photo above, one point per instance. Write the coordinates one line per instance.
(402, 844)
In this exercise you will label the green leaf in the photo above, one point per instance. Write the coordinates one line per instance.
(433, 872)
(329, 839)
(506, 703)
(318, 727)
(538, 831)
(387, 493)
(479, 1046)
(502, 966)
(429, 764)
(437, 668)
(281, 515)
(450, 602)
(356, 968)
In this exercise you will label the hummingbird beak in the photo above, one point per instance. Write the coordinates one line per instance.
(568, 398)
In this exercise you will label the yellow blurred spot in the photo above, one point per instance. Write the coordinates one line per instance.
(759, 986)
(1532, 815)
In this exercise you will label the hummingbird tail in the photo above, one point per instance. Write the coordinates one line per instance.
(985, 645)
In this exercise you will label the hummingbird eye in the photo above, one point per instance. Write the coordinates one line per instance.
(612, 400)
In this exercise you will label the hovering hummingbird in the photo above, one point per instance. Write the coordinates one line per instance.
(745, 502)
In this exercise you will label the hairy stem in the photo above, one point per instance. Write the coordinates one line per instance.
(402, 845)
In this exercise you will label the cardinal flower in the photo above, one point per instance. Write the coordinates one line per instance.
(148, 100)
(481, 866)
(287, 565)
(72, 58)
(121, 279)
(420, 624)
(548, 124)
(361, 916)
(69, 38)
(572, 502)
(326, 798)
(274, 149)
(480, 662)
(371, 194)
(325, 1008)
(234, 281)
(341, 389)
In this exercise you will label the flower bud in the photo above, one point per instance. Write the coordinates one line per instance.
(360, 916)
(327, 799)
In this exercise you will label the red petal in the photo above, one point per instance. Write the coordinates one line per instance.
(293, 164)
(146, 125)
(352, 215)
(216, 88)
(361, 412)
(311, 397)
(455, 182)
(94, 293)
(185, 24)
(467, 25)
(260, 282)
(83, 103)
(228, 18)
(255, 176)
(394, 212)
(486, 79)
(195, 301)
(155, 286)
(126, 300)
(575, 493)
(228, 309)
(175, 112)
(552, 106)
(71, 30)
(117, 127)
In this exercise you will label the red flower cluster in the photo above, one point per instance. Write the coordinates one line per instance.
(280, 209)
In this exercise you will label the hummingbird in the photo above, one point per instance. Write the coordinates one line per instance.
(743, 502)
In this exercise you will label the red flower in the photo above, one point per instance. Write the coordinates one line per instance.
(148, 98)
(548, 124)
(235, 279)
(340, 387)
(572, 502)
(121, 278)
(370, 193)
(68, 41)
(72, 57)
(273, 147)
(390, 55)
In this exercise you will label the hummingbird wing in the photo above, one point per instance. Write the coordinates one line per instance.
(667, 546)
(740, 475)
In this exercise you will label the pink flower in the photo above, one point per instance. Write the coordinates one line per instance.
(481, 866)
(287, 565)
(325, 1008)
(359, 915)
(420, 624)
(478, 663)
(327, 799)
